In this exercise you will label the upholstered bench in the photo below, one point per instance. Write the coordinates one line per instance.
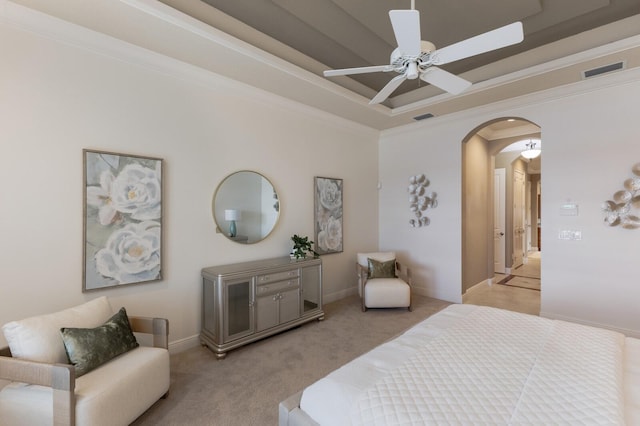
(38, 386)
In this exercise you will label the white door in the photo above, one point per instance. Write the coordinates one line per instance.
(518, 218)
(499, 242)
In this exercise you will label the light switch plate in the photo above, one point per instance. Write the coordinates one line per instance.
(568, 234)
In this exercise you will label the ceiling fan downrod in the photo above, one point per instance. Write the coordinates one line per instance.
(412, 70)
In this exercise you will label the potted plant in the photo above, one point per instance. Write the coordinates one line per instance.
(302, 246)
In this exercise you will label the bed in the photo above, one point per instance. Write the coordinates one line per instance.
(471, 364)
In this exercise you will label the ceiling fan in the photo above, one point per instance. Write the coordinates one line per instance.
(415, 58)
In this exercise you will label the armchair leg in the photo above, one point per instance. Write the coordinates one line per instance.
(364, 308)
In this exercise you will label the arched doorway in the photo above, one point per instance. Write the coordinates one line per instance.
(482, 155)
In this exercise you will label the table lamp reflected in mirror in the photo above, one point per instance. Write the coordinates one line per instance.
(232, 216)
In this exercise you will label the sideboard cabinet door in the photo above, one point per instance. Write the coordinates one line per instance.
(289, 306)
(311, 289)
(266, 312)
(238, 308)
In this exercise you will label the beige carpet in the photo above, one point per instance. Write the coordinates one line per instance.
(246, 387)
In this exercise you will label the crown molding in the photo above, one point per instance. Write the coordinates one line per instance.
(507, 107)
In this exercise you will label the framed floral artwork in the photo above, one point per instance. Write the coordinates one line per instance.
(122, 219)
(328, 215)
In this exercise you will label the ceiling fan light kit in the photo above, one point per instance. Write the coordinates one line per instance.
(415, 58)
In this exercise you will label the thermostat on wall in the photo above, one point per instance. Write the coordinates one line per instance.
(569, 209)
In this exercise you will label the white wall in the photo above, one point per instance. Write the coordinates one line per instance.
(433, 251)
(588, 155)
(56, 99)
(590, 132)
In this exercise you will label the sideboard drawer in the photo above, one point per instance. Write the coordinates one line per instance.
(277, 287)
(277, 276)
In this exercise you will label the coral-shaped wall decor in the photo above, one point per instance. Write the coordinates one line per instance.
(420, 200)
(619, 211)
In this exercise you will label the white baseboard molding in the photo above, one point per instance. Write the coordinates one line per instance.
(488, 281)
(421, 291)
(332, 297)
(184, 344)
(625, 331)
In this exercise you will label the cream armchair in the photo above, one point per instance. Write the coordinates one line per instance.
(41, 390)
(382, 281)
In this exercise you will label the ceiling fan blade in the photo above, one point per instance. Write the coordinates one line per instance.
(359, 70)
(492, 40)
(388, 89)
(406, 27)
(445, 80)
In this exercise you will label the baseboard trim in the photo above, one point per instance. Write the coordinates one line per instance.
(488, 281)
(627, 332)
(334, 297)
(182, 345)
(420, 291)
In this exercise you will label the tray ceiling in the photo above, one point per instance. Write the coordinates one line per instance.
(349, 33)
(283, 46)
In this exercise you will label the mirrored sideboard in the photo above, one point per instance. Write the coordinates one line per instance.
(244, 302)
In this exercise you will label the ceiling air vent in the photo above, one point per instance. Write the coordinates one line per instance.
(603, 70)
(423, 116)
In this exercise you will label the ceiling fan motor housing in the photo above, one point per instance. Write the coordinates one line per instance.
(412, 65)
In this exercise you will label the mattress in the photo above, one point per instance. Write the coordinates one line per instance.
(478, 365)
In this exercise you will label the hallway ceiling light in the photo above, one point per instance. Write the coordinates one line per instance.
(531, 151)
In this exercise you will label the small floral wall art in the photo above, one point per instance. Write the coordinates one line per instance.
(328, 215)
(122, 219)
(623, 208)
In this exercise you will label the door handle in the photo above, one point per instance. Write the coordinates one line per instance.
(502, 234)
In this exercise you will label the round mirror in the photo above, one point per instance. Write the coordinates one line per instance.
(246, 207)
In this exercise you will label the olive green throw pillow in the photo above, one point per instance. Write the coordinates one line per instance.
(89, 348)
(382, 269)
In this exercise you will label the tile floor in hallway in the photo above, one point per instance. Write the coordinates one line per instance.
(520, 296)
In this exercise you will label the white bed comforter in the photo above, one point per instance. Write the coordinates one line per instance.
(478, 365)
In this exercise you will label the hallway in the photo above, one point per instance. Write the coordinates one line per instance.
(519, 291)
(525, 276)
